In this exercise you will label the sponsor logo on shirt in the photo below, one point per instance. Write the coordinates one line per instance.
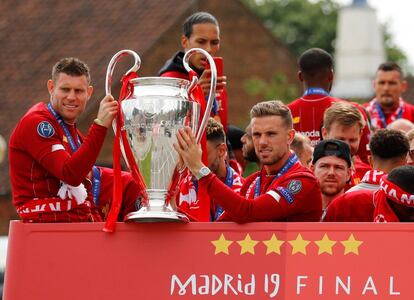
(296, 120)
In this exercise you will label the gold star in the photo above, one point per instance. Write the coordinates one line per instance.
(325, 245)
(299, 245)
(351, 245)
(222, 245)
(247, 245)
(273, 245)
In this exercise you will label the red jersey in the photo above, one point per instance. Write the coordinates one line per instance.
(42, 161)
(307, 114)
(192, 205)
(293, 196)
(358, 170)
(356, 206)
(380, 120)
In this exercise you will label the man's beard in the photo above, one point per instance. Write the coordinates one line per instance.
(251, 156)
(331, 191)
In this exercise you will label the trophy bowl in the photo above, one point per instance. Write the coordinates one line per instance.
(151, 116)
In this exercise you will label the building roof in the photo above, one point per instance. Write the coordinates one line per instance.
(35, 34)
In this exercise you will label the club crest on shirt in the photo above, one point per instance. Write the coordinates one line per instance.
(45, 129)
(294, 186)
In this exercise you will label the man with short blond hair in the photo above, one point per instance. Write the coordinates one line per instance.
(343, 121)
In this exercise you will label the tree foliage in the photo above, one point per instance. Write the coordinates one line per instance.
(300, 24)
(304, 24)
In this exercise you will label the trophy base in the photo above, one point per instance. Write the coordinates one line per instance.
(149, 215)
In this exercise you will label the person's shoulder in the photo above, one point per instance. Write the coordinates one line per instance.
(174, 67)
(408, 105)
(37, 116)
(295, 103)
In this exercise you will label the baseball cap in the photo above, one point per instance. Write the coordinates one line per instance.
(332, 147)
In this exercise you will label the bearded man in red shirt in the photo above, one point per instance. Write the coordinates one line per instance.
(283, 190)
(389, 150)
(388, 105)
(52, 168)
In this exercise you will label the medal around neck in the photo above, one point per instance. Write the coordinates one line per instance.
(152, 114)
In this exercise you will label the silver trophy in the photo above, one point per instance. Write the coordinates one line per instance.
(152, 115)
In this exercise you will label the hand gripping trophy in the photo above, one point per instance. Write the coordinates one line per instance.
(151, 112)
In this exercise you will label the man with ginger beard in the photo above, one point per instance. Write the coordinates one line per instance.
(331, 165)
(389, 150)
(343, 121)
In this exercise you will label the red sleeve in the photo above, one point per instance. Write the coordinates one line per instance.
(263, 208)
(73, 169)
(70, 169)
(279, 203)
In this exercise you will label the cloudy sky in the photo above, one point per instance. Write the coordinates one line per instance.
(399, 15)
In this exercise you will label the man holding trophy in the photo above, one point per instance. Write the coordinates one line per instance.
(201, 30)
(52, 165)
(280, 190)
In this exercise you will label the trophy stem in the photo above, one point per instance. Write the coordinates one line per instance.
(156, 210)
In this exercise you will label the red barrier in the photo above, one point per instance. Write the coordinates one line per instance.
(210, 261)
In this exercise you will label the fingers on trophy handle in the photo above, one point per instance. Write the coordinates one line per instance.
(213, 84)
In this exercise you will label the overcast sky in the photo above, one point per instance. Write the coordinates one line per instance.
(399, 14)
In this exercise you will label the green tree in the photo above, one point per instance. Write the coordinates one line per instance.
(300, 24)
(277, 88)
(304, 24)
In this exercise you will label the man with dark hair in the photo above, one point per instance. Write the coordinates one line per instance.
(200, 30)
(248, 148)
(52, 168)
(388, 105)
(189, 200)
(317, 75)
(280, 191)
(389, 150)
(235, 145)
(394, 201)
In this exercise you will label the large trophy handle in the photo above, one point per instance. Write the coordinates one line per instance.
(212, 93)
(113, 62)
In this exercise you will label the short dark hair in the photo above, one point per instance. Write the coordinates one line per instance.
(200, 17)
(390, 66)
(388, 144)
(71, 66)
(315, 60)
(403, 177)
(215, 131)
